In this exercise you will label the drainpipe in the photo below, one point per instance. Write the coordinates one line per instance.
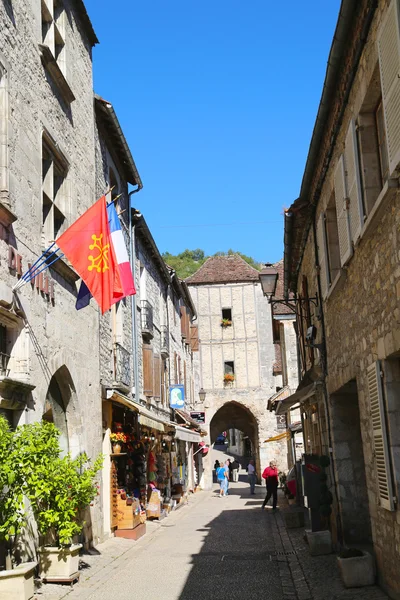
(133, 298)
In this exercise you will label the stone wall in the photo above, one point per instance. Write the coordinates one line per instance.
(361, 314)
(62, 341)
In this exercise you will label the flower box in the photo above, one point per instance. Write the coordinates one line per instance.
(357, 571)
(226, 323)
(229, 378)
(319, 542)
(59, 563)
(17, 584)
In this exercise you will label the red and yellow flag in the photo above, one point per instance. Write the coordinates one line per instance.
(87, 245)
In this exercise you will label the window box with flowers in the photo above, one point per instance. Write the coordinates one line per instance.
(117, 439)
(229, 378)
(226, 323)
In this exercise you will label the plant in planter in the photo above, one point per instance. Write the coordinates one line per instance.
(226, 323)
(357, 568)
(229, 378)
(15, 583)
(58, 488)
(117, 439)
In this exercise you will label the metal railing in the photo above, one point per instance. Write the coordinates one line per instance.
(4, 360)
(164, 340)
(122, 365)
(146, 316)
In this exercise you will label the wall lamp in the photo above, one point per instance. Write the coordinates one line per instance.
(269, 279)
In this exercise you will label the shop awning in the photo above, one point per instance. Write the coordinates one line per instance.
(116, 396)
(186, 435)
(295, 427)
(297, 397)
(148, 419)
(190, 422)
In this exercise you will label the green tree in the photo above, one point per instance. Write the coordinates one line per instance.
(189, 261)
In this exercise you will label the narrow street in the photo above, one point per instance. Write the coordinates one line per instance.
(222, 548)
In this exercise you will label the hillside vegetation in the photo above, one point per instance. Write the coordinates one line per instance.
(187, 262)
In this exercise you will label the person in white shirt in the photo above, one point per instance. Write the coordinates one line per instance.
(251, 471)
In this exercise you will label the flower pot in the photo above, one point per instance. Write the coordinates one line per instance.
(17, 584)
(117, 448)
(319, 542)
(357, 571)
(59, 563)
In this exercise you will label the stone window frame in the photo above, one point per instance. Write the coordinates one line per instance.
(17, 344)
(55, 190)
(53, 31)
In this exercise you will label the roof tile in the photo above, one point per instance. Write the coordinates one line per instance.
(224, 269)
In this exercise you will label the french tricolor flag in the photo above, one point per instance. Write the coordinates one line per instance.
(121, 253)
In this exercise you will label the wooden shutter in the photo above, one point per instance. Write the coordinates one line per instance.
(342, 213)
(194, 338)
(322, 255)
(389, 64)
(176, 367)
(187, 326)
(147, 370)
(183, 321)
(382, 460)
(184, 378)
(352, 164)
(157, 376)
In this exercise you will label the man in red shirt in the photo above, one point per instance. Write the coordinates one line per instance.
(271, 479)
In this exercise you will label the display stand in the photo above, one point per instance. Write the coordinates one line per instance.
(74, 577)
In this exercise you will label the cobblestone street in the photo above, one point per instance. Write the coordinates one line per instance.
(223, 548)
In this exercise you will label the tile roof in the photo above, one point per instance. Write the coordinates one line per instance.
(224, 269)
(277, 366)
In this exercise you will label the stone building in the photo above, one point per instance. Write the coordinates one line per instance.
(240, 358)
(47, 165)
(342, 247)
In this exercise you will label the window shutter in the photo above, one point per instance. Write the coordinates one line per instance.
(187, 326)
(147, 370)
(389, 64)
(382, 460)
(194, 338)
(183, 321)
(322, 255)
(342, 213)
(157, 376)
(176, 367)
(353, 182)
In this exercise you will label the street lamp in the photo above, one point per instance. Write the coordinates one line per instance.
(269, 279)
(202, 395)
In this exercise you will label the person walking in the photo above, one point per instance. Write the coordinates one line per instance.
(270, 475)
(216, 467)
(235, 470)
(230, 467)
(222, 478)
(251, 472)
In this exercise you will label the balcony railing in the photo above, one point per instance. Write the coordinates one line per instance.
(164, 341)
(4, 360)
(146, 318)
(122, 366)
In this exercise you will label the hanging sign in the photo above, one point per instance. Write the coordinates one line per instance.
(199, 417)
(177, 396)
(281, 423)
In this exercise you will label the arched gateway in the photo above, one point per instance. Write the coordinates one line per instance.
(246, 353)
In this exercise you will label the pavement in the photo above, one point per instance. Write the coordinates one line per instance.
(222, 548)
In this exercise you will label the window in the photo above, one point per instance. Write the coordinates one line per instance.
(229, 367)
(53, 30)
(332, 240)
(227, 314)
(54, 192)
(382, 143)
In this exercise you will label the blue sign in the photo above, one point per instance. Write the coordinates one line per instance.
(177, 396)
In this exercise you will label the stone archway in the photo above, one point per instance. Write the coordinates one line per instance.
(61, 409)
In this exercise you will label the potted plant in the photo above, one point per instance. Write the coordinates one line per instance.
(226, 323)
(58, 489)
(229, 378)
(357, 568)
(16, 581)
(117, 439)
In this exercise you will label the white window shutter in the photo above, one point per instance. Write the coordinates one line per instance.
(342, 213)
(389, 64)
(352, 165)
(382, 460)
(322, 255)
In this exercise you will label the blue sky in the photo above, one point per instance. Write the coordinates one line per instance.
(217, 100)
